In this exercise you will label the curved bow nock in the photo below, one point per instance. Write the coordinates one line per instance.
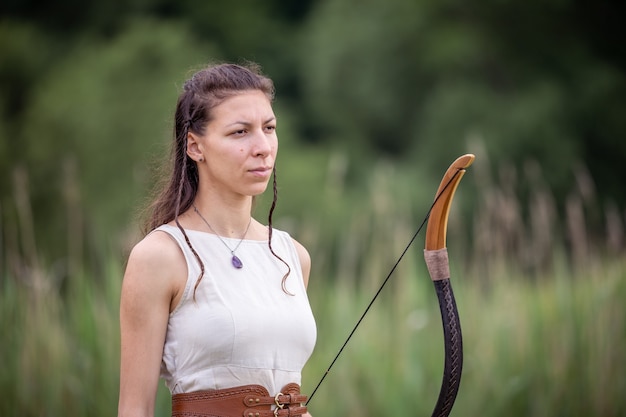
(438, 220)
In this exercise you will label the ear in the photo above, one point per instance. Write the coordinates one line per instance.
(194, 147)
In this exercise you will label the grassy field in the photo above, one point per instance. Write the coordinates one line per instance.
(544, 333)
(554, 346)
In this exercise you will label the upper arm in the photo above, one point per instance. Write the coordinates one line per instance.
(305, 261)
(152, 278)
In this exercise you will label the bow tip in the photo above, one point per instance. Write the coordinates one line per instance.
(464, 161)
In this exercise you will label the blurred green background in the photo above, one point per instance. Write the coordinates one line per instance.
(375, 98)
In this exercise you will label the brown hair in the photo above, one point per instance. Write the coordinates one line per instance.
(206, 89)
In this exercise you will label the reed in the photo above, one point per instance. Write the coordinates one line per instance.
(544, 340)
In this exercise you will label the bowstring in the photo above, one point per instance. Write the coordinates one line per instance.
(406, 249)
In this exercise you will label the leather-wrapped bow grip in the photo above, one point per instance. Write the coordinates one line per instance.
(436, 256)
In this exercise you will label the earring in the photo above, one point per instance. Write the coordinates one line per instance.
(201, 159)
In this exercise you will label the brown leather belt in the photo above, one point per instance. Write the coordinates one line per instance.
(243, 401)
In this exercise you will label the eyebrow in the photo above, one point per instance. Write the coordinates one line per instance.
(271, 119)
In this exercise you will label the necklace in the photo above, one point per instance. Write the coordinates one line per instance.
(235, 259)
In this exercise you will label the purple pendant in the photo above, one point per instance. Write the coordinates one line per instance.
(236, 262)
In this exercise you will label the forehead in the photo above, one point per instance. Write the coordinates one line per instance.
(248, 105)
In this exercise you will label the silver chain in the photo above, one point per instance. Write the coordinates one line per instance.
(232, 251)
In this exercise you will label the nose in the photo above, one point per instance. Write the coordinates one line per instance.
(263, 144)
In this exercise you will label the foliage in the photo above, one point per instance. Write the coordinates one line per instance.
(551, 347)
(87, 93)
(110, 104)
(375, 99)
(521, 77)
(97, 119)
(541, 338)
(540, 349)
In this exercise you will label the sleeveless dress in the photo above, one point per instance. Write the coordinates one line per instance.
(242, 328)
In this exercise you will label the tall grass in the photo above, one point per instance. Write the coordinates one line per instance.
(547, 343)
(544, 333)
(555, 346)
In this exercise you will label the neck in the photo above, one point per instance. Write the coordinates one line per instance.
(229, 221)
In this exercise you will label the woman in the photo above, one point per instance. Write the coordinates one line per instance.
(213, 301)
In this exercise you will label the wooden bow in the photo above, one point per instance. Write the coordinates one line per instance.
(436, 256)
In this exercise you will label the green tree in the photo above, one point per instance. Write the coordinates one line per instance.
(108, 106)
(415, 80)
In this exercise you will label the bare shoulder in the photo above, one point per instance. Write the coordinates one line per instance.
(154, 246)
(157, 252)
(305, 260)
(156, 269)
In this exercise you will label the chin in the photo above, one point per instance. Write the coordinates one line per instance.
(256, 191)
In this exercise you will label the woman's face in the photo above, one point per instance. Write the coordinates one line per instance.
(239, 145)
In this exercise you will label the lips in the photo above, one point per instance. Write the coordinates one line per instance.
(261, 170)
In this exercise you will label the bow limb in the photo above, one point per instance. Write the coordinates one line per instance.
(436, 256)
(438, 220)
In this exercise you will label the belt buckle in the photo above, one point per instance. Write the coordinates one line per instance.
(279, 405)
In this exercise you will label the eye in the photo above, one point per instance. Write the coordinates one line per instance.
(239, 132)
(270, 128)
